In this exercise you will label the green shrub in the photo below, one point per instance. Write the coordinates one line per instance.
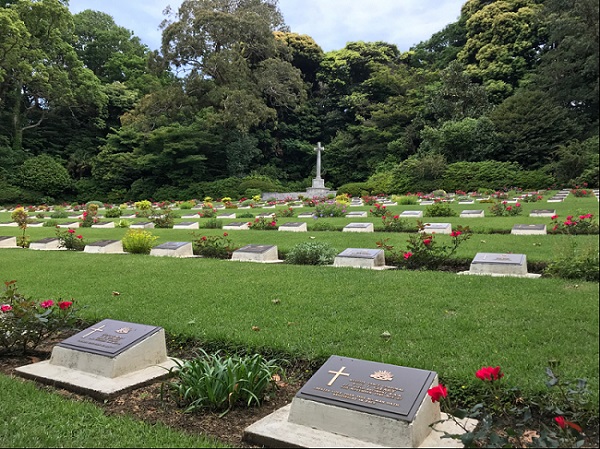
(213, 246)
(311, 253)
(123, 224)
(25, 323)
(68, 240)
(165, 219)
(59, 214)
(396, 224)
(264, 224)
(212, 223)
(50, 223)
(354, 189)
(503, 209)
(287, 212)
(138, 241)
(577, 264)
(439, 209)
(249, 193)
(329, 210)
(186, 205)
(115, 212)
(217, 382)
(406, 200)
(322, 225)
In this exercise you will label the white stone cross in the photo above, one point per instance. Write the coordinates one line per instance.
(319, 149)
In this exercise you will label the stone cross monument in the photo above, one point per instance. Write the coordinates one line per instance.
(318, 182)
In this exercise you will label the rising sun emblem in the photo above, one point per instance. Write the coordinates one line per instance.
(382, 375)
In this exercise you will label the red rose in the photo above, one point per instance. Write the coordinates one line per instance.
(561, 422)
(407, 255)
(427, 242)
(203, 239)
(396, 217)
(71, 231)
(455, 233)
(554, 217)
(80, 237)
(47, 304)
(438, 392)
(225, 234)
(489, 373)
(5, 307)
(64, 305)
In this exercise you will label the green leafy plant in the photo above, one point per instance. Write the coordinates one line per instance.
(439, 209)
(288, 212)
(20, 216)
(186, 205)
(114, 212)
(264, 224)
(69, 240)
(576, 264)
(581, 192)
(311, 253)
(213, 246)
(395, 224)
(330, 209)
(123, 224)
(582, 224)
(503, 209)
(138, 241)
(164, 219)
(378, 210)
(212, 223)
(218, 382)
(25, 323)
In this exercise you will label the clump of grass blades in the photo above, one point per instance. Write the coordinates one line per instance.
(218, 382)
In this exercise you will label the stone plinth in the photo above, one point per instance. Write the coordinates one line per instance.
(187, 225)
(142, 225)
(237, 226)
(373, 259)
(293, 227)
(438, 228)
(494, 264)
(8, 242)
(357, 215)
(532, 229)
(412, 214)
(543, 213)
(173, 249)
(472, 214)
(257, 253)
(104, 225)
(47, 244)
(104, 247)
(359, 227)
(73, 225)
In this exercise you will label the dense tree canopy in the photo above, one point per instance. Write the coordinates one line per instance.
(234, 100)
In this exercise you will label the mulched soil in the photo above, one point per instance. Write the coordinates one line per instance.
(147, 404)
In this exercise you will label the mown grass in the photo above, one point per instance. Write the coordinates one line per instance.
(30, 417)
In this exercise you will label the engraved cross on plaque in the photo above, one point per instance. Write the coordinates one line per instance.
(319, 149)
(337, 374)
(94, 329)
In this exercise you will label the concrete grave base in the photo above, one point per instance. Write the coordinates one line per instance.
(275, 430)
(105, 247)
(500, 275)
(8, 242)
(187, 225)
(173, 249)
(293, 227)
(48, 244)
(257, 253)
(101, 376)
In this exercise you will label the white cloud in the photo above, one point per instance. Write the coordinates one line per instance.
(331, 23)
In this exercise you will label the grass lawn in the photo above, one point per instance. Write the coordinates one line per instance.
(439, 321)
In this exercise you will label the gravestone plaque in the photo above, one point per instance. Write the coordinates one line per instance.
(109, 337)
(128, 216)
(142, 225)
(73, 225)
(356, 215)
(187, 225)
(306, 215)
(548, 213)
(438, 228)
(47, 244)
(472, 214)
(412, 214)
(293, 227)
(35, 224)
(555, 200)
(9, 224)
(173, 249)
(466, 202)
(105, 359)
(360, 258)
(427, 203)
(376, 388)
(8, 242)
(359, 227)
(104, 247)
(265, 215)
(256, 253)
(226, 216)
(190, 216)
(503, 264)
(529, 229)
(237, 226)
(104, 225)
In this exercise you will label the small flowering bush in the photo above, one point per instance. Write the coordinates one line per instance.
(393, 223)
(89, 216)
(576, 264)
(531, 198)
(25, 323)
(378, 210)
(138, 241)
(288, 212)
(114, 212)
(144, 208)
(581, 193)
(369, 200)
(503, 209)
(311, 253)
(425, 251)
(70, 240)
(344, 199)
(164, 219)
(213, 246)
(330, 209)
(208, 213)
(495, 404)
(20, 216)
(574, 224)
(263, 224)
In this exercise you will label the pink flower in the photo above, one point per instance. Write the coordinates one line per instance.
(64, 305)
(80, 237)
(407, 255)
(71, 231)
(46, 304)
(455, 233)
(554, 217)
(438, 392)
(203, 238)
(427, 242)
(489, 373)
(5, 307)
(509, 208)
(518, 205)
(570, 217)
(396, 217)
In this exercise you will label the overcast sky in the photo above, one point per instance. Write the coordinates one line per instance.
(331, 23)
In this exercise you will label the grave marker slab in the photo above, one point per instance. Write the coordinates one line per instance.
(361, 258)
(293, 227)
(257, 253)
(496, 264)
(438, 228)
(466, 202)
(549, 213)
(356, 403)
(104, 225)
(104, 247)
(226, 216)
(9, 224)
(265, 216)
(529, 229)
(187, 225)
(412, 214)
(359, 227)
(73, 225)
(472, 214)
(237, 226)
(190, 216)
(427, 203)
(306, 215)
(106, 359)
(47, 244)
(173, 249)
(8, 242)
(361, 214)
(35, 224)
(142, 225)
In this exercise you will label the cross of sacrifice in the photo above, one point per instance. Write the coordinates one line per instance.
(319, 149)
(337, 374)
